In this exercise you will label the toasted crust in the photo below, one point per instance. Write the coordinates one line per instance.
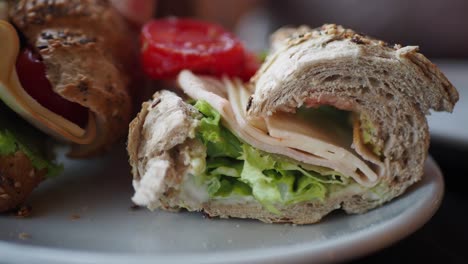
(86, 48)
(300, 213)
(17, 180)
(303, 50)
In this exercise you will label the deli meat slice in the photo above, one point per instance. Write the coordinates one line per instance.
(283, 135)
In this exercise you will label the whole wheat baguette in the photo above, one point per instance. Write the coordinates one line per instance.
(394, 87)
(86, 48)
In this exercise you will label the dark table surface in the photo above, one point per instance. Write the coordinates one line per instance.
(444, 239)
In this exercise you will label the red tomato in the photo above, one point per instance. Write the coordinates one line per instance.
(32, 75)
(171, 45)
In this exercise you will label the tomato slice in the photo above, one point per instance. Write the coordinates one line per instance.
(172, 44)
(32, 75)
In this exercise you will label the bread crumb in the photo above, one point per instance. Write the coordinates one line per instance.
(135, 207)
(24, 236)
(24, 211)
(74, 217)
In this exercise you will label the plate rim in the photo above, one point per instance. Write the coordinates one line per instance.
(363, 241)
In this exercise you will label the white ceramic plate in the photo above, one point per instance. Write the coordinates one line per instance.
(85, 216)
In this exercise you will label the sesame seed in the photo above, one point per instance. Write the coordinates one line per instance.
(5, 196)
(18, 185)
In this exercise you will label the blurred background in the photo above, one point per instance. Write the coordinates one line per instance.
(439, 28)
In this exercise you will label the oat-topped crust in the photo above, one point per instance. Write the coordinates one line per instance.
(89, 52)
(330, 40)
(49, 39)
(292, 36)
(40, 12)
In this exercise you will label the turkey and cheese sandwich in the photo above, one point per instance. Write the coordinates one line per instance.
(62, 76)
(332, 120)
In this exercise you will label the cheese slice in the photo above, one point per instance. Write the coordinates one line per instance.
(196, 88)
(14, 95)
(279, 134)
(303, 136)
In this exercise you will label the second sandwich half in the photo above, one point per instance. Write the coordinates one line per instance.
(328, 123)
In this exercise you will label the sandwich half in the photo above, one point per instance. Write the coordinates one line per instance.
(332, 120)
(64, 75)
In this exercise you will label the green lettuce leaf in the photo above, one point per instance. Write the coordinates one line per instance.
(225, 186)
(264, 188)
(219, 141)
(7, 143)
(275, 181)
(17, 135)
(236, 168)
(321, 174)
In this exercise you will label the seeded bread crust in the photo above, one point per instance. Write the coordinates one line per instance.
(17, 180)
(87, 51)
